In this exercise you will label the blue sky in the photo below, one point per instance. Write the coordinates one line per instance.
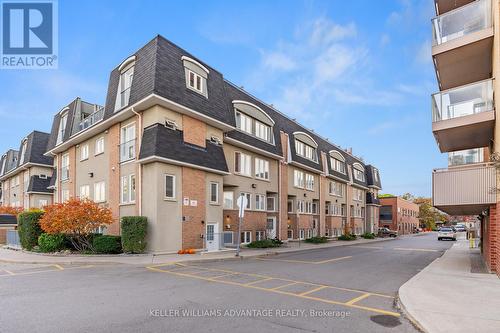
(358, 72)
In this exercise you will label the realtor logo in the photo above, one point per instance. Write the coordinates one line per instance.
(29, 36)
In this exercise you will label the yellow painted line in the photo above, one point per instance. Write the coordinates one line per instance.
(368, 247)
(304, 261)
(283, 286)
(359, 298)
(45, 271)
(58, 267)
(410, 249)
(274, 290)
(164, 264)
(223, 275)
(313, 290)
(258, 281)
(9, 272)
(331, 260)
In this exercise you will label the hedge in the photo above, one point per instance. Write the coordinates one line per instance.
(134, 231)
(265, 243)
(29, 228)
(107, 244)
(317, 240)
(347, 237)
(51, 243)
(368, 235)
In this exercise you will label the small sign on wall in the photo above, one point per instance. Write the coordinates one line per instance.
(186, 201)
(194, 203)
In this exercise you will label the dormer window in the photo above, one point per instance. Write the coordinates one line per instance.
(254, 121)
(62, 127)
(125, 83)
(305, 146)
(337, 161)
(375, 175)
(196, 76)
(4, 161)
(359, 172)
(23, 151)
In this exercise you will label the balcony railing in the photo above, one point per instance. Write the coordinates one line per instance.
(469, 156)
(93, 118)
(462, 21)
(127, 151)
(463, 101)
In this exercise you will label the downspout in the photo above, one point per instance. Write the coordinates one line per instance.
(139, 175)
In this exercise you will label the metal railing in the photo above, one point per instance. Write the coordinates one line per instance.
(65, 173)
(462, 21)
(92, 119)
(463, 101)
(468, 156)
(127, 151)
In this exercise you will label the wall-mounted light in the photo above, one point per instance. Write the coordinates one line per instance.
(91, 174)
(305, 194)
(254, 185)
(202, 222)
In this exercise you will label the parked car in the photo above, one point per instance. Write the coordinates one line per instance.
(460, 228)
(447, 233)
(386, 232)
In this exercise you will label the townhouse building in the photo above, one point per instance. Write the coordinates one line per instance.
(25, 174)
(399, 214)
(179, 144)
(466, 59)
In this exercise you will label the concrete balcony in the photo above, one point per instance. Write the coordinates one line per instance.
(464, 190)
(462, 44)
(464, 117)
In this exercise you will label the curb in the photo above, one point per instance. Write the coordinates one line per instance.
(408, 315)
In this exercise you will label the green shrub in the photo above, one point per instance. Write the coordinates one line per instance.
(107, 244)
(134, 230)
(368, 235)
(29, 228)
(51, 243)
(317, 240)
(347, 237)
(265, 243)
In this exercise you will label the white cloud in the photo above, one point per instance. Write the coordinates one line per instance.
(384, 40)
(423, 53)
(325, 31)
(278, 61)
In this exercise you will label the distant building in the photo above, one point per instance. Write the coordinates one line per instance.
(398, 214)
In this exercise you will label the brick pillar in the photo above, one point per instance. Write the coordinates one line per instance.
(72, 171)
(194, 131)
(323, 188)
(194, 188)
(494, 244)
(113, 142)
(283, 191)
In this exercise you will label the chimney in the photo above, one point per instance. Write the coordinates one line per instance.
(349, 150)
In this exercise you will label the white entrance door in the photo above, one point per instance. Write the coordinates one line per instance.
(271, 227)
(212, 237)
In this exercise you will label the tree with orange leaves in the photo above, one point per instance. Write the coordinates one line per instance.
(76, 218)
(10, 210)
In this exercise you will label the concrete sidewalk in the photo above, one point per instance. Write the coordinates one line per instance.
(447, 297)
(16, 256)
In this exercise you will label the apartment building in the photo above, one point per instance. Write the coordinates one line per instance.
(399, 214)
(179, 144)
(25, 174)
(466, 59)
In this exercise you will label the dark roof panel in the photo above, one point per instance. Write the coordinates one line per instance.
(40, 185)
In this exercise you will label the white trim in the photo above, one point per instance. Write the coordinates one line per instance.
(174, 179)
(64, 109)
(358, 164)
(155, 158)
(345, 181)
(126, 62)
(23, 167)
(254, 106)
(310, 137)
(44, 193)
(336, 153)
(185, 58)
(300, 165)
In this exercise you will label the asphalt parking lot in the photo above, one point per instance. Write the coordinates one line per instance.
(341, 289)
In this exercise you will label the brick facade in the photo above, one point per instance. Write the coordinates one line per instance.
(194, 188)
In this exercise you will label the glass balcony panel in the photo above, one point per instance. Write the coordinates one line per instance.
(462, 21)
(468, 156)
(127, 151)
(91, 119)
(463, 101)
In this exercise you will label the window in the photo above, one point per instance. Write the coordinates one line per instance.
(23, 151)
(242, 164)
(65, 195)
(358, 194)
(260, 202)
(261, 169)
(42, 203)
(308, 206)
(62, 128)
(271, 204)
(309, 233)
(300, 206)
(298, 178)
(249, 199)
(169, 187)
(228, 200)
(309, 182)
(259, 235)
(124, 86)
(305, 150)
(26, 180)
(228, 237)
(375, 175)
(244, 122)
(290, 206)
(99, 146)
(128, 189)
(127, 143)
(337, 165)
(214, 193)
(84, 152)
(253, 127)
(246, 237)
(100, 192)
(3, 164)
(195, 81)
(359, 172)
(337, 188)
(315, 208)
(301, 234)
(84, 192)
(262, 131)
(196, 76)
(289, 234)
(65, 167)
(336, 209)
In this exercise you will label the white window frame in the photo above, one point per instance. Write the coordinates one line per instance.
(260, 235)
(244, 122)
(128, 142)
(249, 199)
(23, 151)
(302, 234)
(246, 237)
(309, 182)
(197, 78)
(126, 77)
(42, 203)
(337, 189)
(298, 178)
(173, 187)
(226, 197)
(261, 168)
(127, 182)
(65, 166)
(244, 163)
(262, 131)
(273, 205)
(100, 191)
(260, 202)
(216, 202)
(64, 195)
(62, 127)
(84, 152)
(84, 192)
(99, 146)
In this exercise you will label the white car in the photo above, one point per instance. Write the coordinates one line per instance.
(447, 233)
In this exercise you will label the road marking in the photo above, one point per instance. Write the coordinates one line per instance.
(305, 261)
(359, 298)
(312, 291)
(10, 273)
(58, 267)
(410, 249)
(304, 295)
(220, 276)
(368, 247)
